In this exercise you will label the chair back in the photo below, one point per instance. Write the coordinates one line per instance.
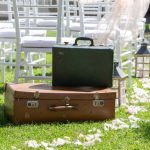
(6, 14)
(33, 15)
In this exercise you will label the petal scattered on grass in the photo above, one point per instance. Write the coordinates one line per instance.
(32, 144)
(133, 121)
(59, 142)
(77, 142)
(135, 109)
(49, 148)
(145, 83)
(139, 95)
(44, 144)
(134, 125)
(116, 125)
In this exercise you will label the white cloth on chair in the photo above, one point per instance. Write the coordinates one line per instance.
(47, 23)
(76, 26)
(30, 41)
(6, 25)
(9, 33)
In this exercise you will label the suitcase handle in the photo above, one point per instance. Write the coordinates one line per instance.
(52, 108)
(83, 39)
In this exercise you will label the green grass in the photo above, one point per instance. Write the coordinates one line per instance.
(124, 139)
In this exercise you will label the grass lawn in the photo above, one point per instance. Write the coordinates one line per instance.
(130, 130)
(126, 138)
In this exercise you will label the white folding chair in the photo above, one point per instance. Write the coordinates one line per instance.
(29, 44)
(7, 37)
(89, 16)
(52, 11)
(83, 21)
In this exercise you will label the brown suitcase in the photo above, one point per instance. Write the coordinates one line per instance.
(27, 103)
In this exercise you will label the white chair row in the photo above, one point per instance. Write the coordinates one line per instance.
(36, 17)
(86, 25)
(29, 44)
(7, 37)
(28, 21)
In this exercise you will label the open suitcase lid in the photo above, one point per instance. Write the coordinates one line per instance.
(45, 91)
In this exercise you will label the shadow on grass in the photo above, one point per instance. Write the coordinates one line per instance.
(144, 130)
(3, 120)
(1, 88)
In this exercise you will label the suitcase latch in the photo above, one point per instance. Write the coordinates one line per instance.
(67, 99)
(36, 95)
(97, 102)
(32, 104)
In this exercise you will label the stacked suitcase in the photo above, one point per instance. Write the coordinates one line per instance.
(82, 77)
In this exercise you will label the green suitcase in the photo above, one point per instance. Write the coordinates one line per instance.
(75, 65)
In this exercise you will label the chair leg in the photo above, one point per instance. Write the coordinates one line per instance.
(2, 65)
(2, 57)
(30, 60)
(18, 64)
(44, 62)
(11, 56)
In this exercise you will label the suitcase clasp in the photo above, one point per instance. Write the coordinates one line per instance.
(67, 99)
(36, 95)
(96, 96)
(97, 102)
(32, 104)
(35, 102)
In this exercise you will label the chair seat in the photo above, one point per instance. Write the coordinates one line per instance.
(11, 33)
(6, 25)
(33, 41)
(7, 33)
(76, 26)
(37, 33)
(46, 23)
(42, 42)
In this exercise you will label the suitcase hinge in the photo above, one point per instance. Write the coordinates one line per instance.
(36, 95)
(67, 99)
(96, 96)
(34, 103)
(97, 102)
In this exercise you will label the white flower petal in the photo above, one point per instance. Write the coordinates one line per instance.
(59, 142)
(89, 143)
(132, 118)
(77, 142)
(49, 148)
(44, 144)
(89, 137)
(134, 125)
(32, 144)
(81, 135)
